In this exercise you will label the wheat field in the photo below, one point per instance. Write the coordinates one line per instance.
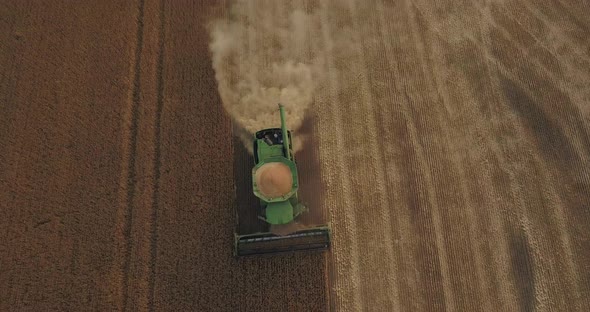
(448, 145)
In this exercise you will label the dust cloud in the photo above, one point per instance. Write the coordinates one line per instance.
(264, 54)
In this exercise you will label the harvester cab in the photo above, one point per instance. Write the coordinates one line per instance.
(275, 183)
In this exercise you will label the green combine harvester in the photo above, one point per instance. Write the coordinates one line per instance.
(273, 152)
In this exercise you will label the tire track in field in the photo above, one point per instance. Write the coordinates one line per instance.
(382, 217)
(346, 279)
(157, 160)
(389, 120)
(437, 222)
(502, 19)
(128, 178)
(442, 115)
(517, 72)
(520, 243)
(551, 199)
(545, 179)
(497, 223)
(490, 206)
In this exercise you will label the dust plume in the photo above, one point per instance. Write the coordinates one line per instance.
(263, 55)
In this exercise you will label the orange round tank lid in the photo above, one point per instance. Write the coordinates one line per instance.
(274, 179)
